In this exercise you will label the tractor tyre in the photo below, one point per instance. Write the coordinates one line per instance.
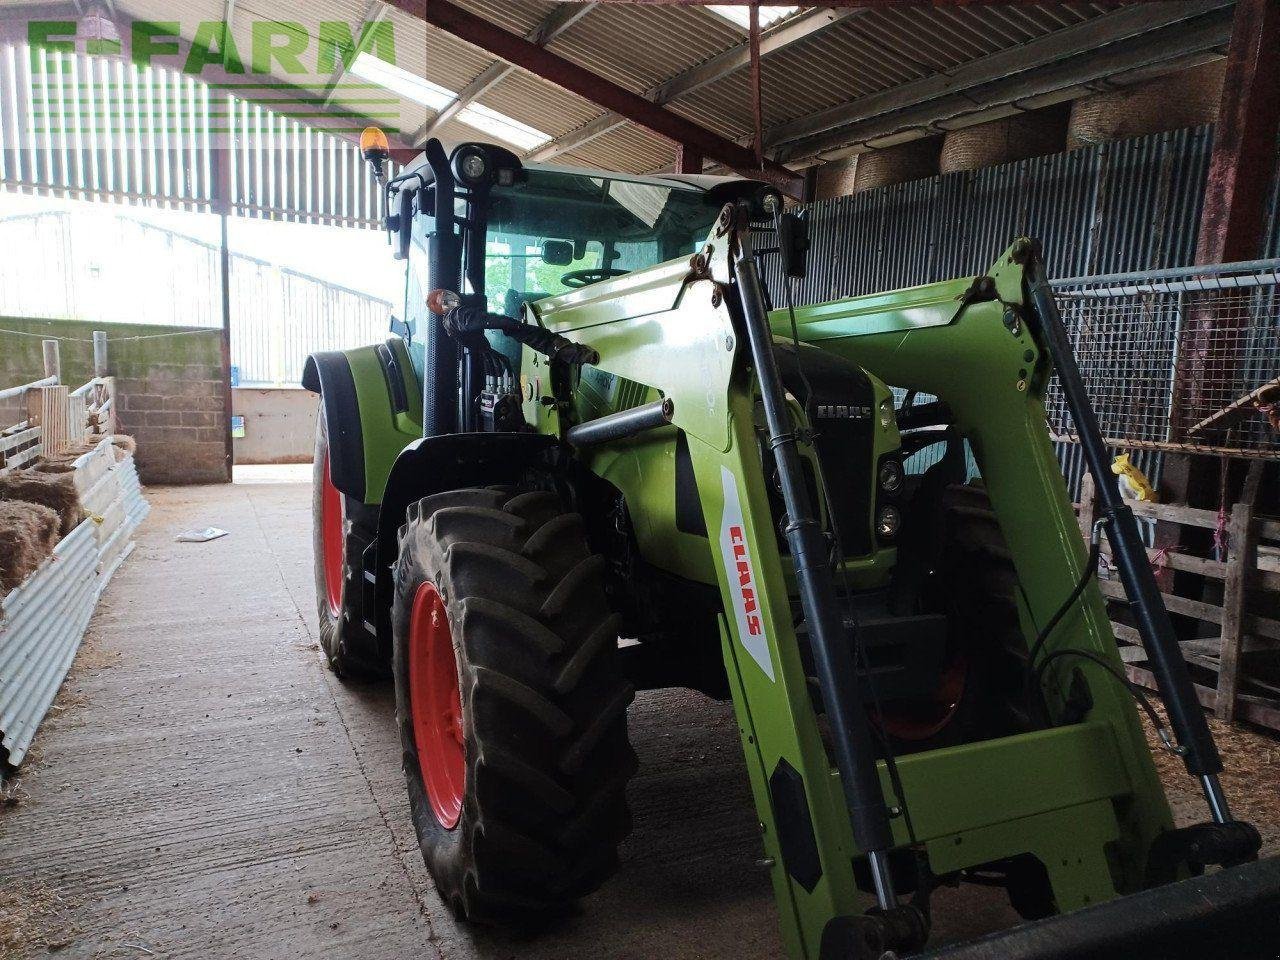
(982, 692)
(510, 703)
(342, 528)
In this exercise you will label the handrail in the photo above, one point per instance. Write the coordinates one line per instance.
(10, 392)
(1171, 273)
(85, 388)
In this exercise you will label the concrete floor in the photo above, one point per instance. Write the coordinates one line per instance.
(207, 789)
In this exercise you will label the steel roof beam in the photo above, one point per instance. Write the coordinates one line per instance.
(374, 14)
(717, 68)
(570, 76)
(1131, 38)
(557, 22)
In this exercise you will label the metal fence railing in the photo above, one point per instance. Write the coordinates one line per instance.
(1181, 359)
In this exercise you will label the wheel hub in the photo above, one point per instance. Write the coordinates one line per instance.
(922, 719)
(435, 700)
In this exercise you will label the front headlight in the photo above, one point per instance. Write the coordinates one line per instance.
(473, 167)
(888, 522)
(886, 412)
(890, 477)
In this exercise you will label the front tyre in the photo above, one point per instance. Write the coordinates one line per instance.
(509, 701)
(341, 530)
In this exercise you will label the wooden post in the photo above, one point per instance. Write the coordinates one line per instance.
(222, 207)
(1087, 511)
(1244, 138)
(1240, 563)
(52, 360)
(47, 409)
(688, 160)
(99, 353)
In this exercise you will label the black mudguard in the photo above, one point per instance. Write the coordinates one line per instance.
(448, 462)
(329, 374)
(373, 407)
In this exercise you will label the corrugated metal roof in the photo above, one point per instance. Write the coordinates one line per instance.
(629, 149)
(558, 111)
(638, 47)
(879, 49)
(642, 46)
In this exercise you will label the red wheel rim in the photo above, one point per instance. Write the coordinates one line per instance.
(922, 719)
(331, 537)
(436, 703)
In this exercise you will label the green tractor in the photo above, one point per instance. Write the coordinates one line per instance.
(600, 455)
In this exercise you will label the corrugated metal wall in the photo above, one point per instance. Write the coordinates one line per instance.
(155, 135)
(122, 270)
(1120, 206)
(113, 270)
(1127, 205)
(279, 316)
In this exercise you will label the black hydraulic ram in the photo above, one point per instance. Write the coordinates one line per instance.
(855, 754)
(1199, 752)
(624, 423)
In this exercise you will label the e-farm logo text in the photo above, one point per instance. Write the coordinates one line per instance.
(142, 77)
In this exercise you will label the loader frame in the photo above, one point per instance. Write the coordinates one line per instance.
(1083, 799)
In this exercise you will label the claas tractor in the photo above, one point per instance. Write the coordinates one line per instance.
(601, 454)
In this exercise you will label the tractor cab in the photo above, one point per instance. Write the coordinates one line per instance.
(505, 235)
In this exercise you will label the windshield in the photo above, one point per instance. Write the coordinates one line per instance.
(560, 231)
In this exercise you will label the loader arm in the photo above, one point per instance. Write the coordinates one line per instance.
(981, 357)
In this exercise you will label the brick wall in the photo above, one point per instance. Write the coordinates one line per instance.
(170, 389)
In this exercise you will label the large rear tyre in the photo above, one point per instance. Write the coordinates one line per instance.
(981, 693)
(341, 530)
(509, 701)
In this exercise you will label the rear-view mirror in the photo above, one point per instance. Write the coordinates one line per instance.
(558, 253)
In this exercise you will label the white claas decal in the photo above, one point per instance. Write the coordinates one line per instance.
(742, 577)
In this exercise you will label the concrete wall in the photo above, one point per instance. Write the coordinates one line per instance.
(170, 389)
(279, 424)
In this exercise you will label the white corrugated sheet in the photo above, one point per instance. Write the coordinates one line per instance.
(43, 620)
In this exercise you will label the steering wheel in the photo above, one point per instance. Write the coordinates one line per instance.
(576, 279)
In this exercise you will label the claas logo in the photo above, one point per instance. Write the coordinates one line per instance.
(746, 581)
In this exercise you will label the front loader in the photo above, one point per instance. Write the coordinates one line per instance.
(603, 455)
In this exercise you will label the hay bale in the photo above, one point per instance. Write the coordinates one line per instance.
(1186, 99)
(1030, 134)
(124, 446)
(57, 491)
(63, 462)
(913, 160)
(28, 534)
(836, 178)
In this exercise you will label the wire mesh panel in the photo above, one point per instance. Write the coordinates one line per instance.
(1185, 359)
